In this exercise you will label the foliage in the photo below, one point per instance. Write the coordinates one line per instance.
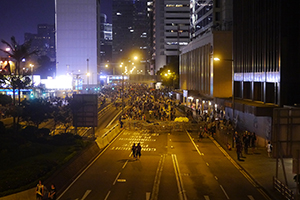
(168, 76)
(63, 115)
(5, 99)
(17, 53)
(36, 111)
(46, 67)
(29, 157)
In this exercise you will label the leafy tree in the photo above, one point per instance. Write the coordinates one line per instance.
(46, 67)
(5, 99)
(15, 78)
(168, 76)
(36, 111)
(63, 115)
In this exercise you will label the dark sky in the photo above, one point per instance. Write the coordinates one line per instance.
(20, 16)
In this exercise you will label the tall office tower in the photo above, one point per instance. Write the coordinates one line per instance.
(77, 46)
(130, 30)
(266, 49)
(106, 42)
(43, 41)
(171, 29)
(207, 15)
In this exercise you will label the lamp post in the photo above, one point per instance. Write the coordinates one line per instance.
(31, 65)
(87, 72)
(122, 94)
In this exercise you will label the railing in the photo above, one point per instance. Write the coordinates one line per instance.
(108, 136)
(283, 189)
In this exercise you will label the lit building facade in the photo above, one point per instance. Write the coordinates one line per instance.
(105, 44)
(171, 19)
(77, 47)
(201, 77)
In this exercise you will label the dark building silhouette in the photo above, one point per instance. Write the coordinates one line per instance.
(43, 40)
(131, 28)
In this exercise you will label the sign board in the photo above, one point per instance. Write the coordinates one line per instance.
(85, 110)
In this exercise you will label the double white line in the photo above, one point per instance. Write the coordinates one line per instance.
(182, 195)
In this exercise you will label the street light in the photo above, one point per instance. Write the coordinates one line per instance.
(232, 77)
(31, 65)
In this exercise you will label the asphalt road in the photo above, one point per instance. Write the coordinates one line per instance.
(172, 166)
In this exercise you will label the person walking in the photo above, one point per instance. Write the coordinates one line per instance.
(39, 191)
(269, 148)
(133, 149)
(52, 192)
(138, 151)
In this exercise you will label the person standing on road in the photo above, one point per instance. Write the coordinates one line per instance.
(138, 151)
(133, 149)
(52, 192)
(39, 191)
(238, 150)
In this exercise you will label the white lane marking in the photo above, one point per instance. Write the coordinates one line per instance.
(216, 177)
(148, 195)
(89, 166)
(251, 197)
(117, 178)
(206, 197)
(182, 194)
(86, 194)
(158, 173)
(207, 164)
(224, 192)
(201, 154)
(106, 197)
(125, 164)
(114, 119)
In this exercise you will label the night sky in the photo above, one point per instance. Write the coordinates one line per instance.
(22, 16)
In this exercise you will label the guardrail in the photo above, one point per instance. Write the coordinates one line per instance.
(108, 136)
(283, 189)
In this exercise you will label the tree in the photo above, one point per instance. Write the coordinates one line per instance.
(36, 111)
(5, 99)
(63, 115)
(46, 67)
(16, 53)
(168, 76)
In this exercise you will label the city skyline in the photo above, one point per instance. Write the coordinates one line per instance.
(29, 15)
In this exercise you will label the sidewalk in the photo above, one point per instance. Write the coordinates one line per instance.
(262, 169)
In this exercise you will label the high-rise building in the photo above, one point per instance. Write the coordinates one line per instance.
(77, 46)
(211, 36)
(43, 41)
(131, 29)
(266, 48)
(106, 42)
(171, 30)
